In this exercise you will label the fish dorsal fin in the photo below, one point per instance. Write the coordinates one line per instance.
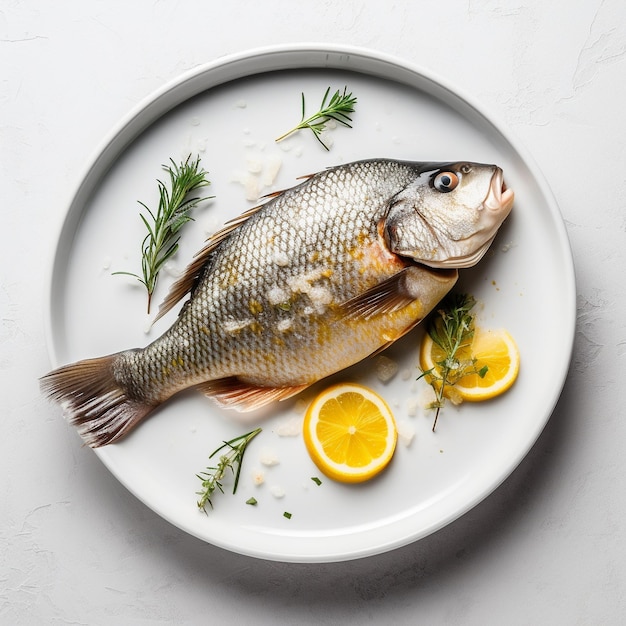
(190, 277)
(186, 283)
(232, 393)
(273, 194)
(386, 297)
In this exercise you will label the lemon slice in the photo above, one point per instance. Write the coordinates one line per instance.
(495, 349)
(350, 432)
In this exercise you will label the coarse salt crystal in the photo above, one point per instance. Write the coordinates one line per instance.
(211, 225)
(272, 168)
(277, 491)
(268, 457)
(301, 405)
(327, 139)
(276, 295)
(238, 177)
(320, 295)
(280, 258)
(171, 269)
(290, 428)
(412, 407)
(251, 186)
(254, 166)
(258, 477)
(426, 396)
(406, 432)
(234, 326)
(386, 369)
(284, 325)
(299, 284)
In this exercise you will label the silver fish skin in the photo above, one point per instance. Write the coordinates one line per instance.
(314, 280)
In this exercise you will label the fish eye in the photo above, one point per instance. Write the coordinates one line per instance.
(446, 182)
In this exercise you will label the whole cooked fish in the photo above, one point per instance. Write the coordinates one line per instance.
(314, 280)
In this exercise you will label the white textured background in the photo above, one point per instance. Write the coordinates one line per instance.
(548, 547)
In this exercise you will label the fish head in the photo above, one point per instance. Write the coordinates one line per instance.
(449, 215)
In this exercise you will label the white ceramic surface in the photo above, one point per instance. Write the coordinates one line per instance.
(228, 112)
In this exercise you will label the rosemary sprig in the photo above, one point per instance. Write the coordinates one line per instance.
(338, 109)
(212, 477)
(452, 329)
(175, 205)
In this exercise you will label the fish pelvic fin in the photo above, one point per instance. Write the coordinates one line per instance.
(93, 400)
(232, 393)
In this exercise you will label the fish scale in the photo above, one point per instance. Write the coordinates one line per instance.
(314, 280)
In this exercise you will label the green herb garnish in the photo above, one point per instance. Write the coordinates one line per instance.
(251, 501)
(316, 480)
(287, 514)
(212, 477)
(451, 328)
(175, 205)
(337, 109)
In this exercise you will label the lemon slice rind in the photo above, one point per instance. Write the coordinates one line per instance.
(344, 472)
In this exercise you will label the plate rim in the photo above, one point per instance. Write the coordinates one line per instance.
(304, 56)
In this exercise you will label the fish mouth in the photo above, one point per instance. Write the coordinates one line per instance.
(498, 204)
(499, 198)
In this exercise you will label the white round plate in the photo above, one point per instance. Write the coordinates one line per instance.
(229, 112)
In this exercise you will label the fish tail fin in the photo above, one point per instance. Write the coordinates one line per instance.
(94, 401)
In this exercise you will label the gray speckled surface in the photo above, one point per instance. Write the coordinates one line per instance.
(547, 547)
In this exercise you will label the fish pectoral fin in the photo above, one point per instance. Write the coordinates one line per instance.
(412, 283)
(384, 298)
(232, 393)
